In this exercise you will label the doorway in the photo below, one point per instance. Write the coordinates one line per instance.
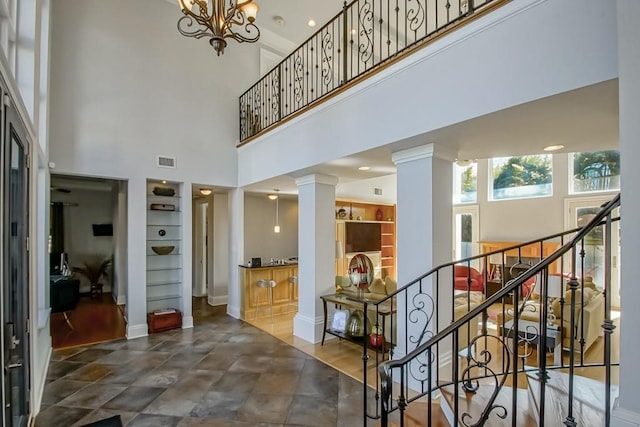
(579, 213)
(15, 274)
(466, 232)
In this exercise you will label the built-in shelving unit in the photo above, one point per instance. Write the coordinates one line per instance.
(348, 211)
(164, 228)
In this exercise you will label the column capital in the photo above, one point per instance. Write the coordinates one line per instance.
(316, 178)
(424, 152)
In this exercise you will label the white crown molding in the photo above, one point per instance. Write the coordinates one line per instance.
(316, 178)
(276, 42)
(423, 152)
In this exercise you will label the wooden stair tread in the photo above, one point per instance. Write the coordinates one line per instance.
(588, 398)
(474, 404)
(416, 416)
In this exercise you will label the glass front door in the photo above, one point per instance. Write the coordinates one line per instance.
(15, 294)
(581, 211)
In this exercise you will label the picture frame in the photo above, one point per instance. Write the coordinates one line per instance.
(339, 323)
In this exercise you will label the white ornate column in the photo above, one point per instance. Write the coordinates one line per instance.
(236, 251)
(316, 252)
(626, 412)
(423, 231)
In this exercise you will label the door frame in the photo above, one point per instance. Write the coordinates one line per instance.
(474, 211)
(570, 206)
(203, 231)
(13, 125)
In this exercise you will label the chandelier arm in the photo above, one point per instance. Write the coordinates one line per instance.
(249, 28)
(186, 22)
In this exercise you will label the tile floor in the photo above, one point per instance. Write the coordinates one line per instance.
(223, 372)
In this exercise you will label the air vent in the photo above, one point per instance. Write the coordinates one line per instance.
(166, 162)
(377, 191)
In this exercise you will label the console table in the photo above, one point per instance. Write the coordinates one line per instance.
(351, 301)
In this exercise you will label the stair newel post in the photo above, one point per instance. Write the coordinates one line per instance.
(608, 325)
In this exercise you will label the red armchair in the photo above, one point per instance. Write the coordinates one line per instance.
(468, 279)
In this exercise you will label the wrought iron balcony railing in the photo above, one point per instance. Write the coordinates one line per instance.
(365, 35)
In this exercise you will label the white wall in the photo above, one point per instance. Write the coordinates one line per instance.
(491, 64)
(128, 87)
(220, 249)
(260, 217)
(93, 207)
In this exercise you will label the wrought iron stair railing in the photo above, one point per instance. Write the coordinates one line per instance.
(437, 347)
(365, 35)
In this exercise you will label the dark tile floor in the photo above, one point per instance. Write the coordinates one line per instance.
(223, 372)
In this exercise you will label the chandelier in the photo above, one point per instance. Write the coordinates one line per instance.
(219, 20)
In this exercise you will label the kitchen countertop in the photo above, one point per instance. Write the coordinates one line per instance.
(274, 265)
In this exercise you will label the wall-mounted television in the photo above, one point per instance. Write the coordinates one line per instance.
(362, 237)
(102, 229)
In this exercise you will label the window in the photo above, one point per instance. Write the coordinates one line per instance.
(465, 182)
(599, 171)
(521, 176)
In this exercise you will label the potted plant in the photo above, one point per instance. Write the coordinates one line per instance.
(94, 269)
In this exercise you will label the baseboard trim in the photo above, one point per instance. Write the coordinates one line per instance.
(187, 322)
(137, 331)
(38, 403)
(621, 417)
(121, 300)
(233, 312)
(308, 328)
(221, 300)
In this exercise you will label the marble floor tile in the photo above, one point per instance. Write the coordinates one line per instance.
(62, 368)
(147, 420)
(313, 412)
(277, 383)
(265, 408)
(57, 416)
(160, 377)
(134, 399)
(219, 405)
(92, 396)
(89, 355)
(61, 389)
(236, 382)
(90, 372)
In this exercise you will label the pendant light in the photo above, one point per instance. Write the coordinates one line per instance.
(276, 228)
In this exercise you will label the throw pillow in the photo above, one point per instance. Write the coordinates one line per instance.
(390, 284)
(377, 287)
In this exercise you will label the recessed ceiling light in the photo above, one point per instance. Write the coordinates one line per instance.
(554, 147)
(312, 23)
(364, 168)
(164, 182)
(205, 191)
(279, 20)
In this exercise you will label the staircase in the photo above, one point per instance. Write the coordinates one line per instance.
(461, 367)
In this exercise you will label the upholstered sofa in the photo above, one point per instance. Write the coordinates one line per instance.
(592, 313)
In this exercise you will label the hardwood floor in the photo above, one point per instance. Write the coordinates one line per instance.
(93, 321)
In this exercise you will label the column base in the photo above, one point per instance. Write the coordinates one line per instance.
(137, 331)
(308, 328)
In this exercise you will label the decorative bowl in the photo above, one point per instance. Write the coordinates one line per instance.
(163, 250)
(163, 191)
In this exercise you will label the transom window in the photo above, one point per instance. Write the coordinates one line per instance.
(521, 177)
(593, 172)
(465, 182)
